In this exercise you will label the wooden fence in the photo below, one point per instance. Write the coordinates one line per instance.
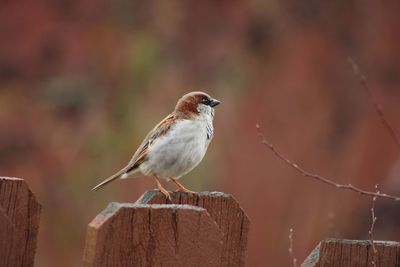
(19, 223)
(208, 229)
(341, 252)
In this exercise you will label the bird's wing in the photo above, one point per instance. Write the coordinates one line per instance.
(159, 130)
(141, 153)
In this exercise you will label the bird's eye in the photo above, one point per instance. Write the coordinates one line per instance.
(206, 101)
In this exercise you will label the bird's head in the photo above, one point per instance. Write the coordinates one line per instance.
(196, 103)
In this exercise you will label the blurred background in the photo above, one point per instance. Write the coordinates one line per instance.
(82, 82)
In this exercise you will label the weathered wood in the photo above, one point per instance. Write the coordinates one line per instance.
(153, 235)
(19, 223)
(341, 252)
(225, 210)
(7, 232)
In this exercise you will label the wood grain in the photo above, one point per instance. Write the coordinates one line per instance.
(341, 252)
(225, 210)
(153, 235)
(19, 223)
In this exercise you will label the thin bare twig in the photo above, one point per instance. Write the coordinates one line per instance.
(291, 253)
(316, 176)
(377, 106)
(371, 230)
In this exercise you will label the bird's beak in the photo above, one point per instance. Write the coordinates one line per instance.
(214, 102)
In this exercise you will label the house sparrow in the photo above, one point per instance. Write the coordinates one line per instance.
(176, 145)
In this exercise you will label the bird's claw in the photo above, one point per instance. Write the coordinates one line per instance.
(165, 193)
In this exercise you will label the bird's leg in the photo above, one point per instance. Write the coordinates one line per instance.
(181, 188)
(162, 189)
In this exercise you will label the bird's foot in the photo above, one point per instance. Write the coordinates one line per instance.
(165, 193)
(181, 188)
(163, 190)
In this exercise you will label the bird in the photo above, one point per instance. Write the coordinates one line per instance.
(175, 146)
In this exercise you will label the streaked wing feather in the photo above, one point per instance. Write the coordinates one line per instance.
(160, 129)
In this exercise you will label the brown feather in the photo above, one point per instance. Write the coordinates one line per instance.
(188, 104)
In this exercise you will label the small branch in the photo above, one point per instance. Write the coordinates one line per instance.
(316, 176)
(377, 106)
(371, 230)
(291, 253)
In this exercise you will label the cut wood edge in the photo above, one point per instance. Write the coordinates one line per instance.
(313, 258)
(113, 208)
(156, 197)
(11, 178)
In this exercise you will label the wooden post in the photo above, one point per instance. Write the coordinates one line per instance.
(19, 223)
(226, 212)
(210, 232)
(341, 252)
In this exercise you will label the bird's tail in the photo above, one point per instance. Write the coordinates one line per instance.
(119, 174)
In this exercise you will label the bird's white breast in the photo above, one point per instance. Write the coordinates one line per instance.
(180, 150)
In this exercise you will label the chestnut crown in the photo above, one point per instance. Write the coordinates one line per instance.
(191, 103)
